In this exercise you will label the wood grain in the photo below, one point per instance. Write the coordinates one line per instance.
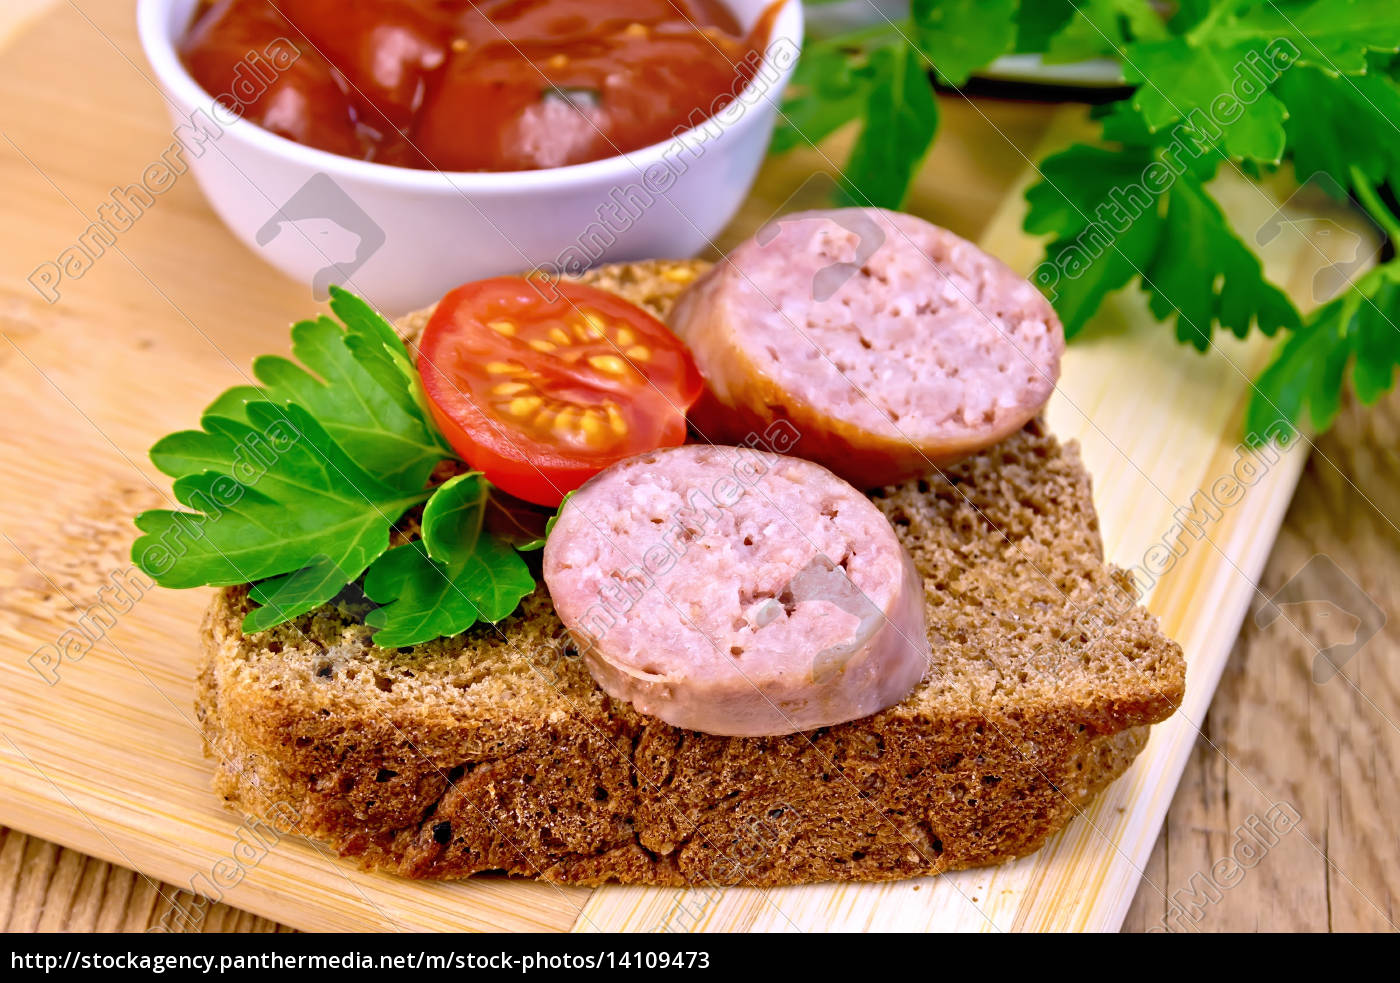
(1270, 720)
(1332, 750)
(48, 888)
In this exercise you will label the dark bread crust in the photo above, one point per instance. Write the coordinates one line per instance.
(496, 751)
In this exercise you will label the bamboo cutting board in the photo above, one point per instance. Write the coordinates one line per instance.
(102, 752)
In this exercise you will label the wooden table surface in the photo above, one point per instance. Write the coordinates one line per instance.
(1331, 750)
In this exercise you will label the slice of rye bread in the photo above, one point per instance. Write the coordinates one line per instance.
(495, 750)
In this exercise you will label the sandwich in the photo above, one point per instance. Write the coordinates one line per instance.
(767, 572)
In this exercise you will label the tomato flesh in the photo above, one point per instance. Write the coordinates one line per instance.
(541, 385)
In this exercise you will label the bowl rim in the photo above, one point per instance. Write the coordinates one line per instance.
(180, 88)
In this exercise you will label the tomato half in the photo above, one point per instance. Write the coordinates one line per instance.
(543, 385)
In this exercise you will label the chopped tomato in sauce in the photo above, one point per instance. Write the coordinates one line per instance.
(475, 85)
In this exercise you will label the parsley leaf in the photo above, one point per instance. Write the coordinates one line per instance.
(1334, 35)
(960, 36)
(454, 576)
(1340, 122)
(1204, 275)
(1361, 328)
(1179, 79)
(875, 76)
(828, 88)
(453, 516)
(279, 496)
(293, 594)
(1095, 251)
(1121, 214)
(361, 392)
(1039, 21)
(901, 117)
(294, 486)
(1100, 28)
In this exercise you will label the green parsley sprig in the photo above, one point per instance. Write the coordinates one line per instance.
(1249, 85)
(295, 485)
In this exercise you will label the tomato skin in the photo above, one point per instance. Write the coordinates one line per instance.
(588, 379)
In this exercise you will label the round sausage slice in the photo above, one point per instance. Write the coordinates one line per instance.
(737, 592)
(891, 345)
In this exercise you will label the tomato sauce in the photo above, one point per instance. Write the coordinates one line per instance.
(479, 85)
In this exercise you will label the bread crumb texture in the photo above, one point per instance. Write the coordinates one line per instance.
(495, 750)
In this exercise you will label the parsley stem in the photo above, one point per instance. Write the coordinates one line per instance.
(1374, 207)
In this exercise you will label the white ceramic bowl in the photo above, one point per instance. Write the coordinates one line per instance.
(403, 237)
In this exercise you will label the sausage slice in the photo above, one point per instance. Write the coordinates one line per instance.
(737, 592)
(892, 345)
